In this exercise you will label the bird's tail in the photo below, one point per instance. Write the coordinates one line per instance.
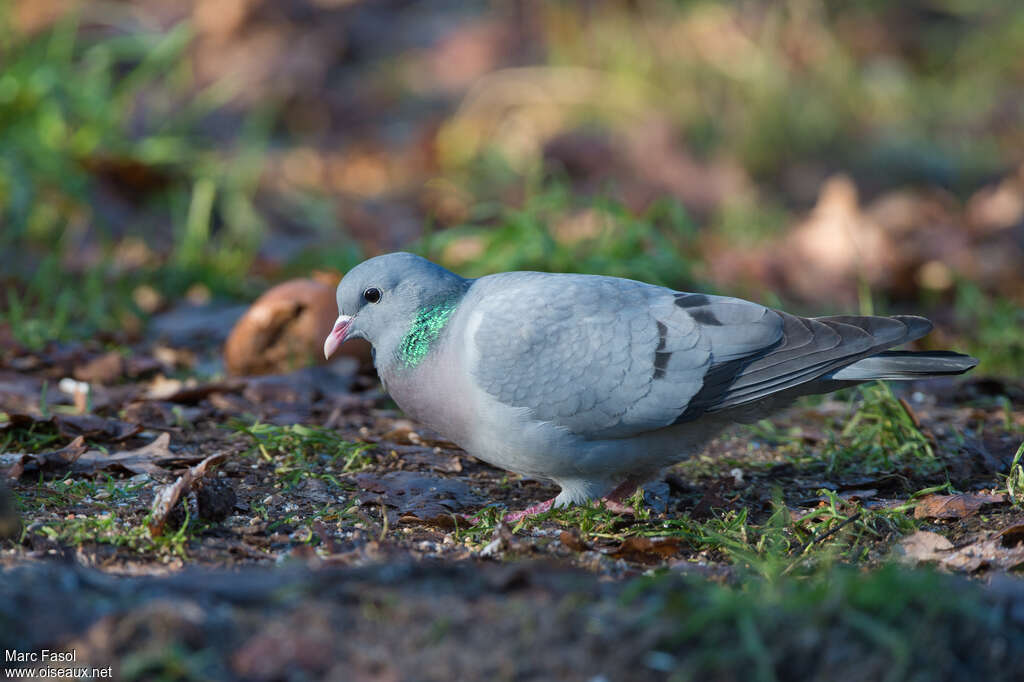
(905, 365)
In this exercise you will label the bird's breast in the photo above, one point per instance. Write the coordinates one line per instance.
(435, 394)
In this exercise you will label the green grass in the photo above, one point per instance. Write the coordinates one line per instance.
(773, 87)
(69, 103)
(837, 531)
(994, 335)
(108, 528)
(557, 232)
(298, 452)
(880, 436)
(92, 511)
(82, 117)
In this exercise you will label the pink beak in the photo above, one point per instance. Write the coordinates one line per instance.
(337, 335)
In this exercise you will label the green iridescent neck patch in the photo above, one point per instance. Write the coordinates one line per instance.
(429, 323)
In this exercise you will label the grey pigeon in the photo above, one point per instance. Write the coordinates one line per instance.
(598, 383)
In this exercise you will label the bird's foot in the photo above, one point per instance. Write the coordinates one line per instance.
(539, 508)
(513, 517)
(613, 502)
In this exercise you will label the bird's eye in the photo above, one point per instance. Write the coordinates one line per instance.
(372, 295)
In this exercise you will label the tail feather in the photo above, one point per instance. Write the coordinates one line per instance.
(897, 365)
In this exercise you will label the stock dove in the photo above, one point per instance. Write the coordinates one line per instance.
(598, 383)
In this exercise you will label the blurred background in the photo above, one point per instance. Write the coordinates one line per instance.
(822, 156)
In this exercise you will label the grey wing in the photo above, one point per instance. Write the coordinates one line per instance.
(605, 357)
(810, 350)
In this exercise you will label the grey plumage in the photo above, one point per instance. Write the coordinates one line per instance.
(591, 381)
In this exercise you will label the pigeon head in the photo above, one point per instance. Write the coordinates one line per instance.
(398, 302)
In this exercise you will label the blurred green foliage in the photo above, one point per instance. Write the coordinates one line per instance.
(888, 624)
(71, 106)
(107, 133)
(557, 232)
(81, 116)
(996, 326)
(904, 92)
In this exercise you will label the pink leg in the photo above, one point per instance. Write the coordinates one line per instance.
(515, 517)
(612, 502)
(539, 508)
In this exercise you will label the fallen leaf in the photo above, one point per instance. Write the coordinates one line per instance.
(924, 546)
(571, 539)
(646, 550)
(175, 391)
(95, 428)
(954, 506)
(1012, 537)
(167, 496)
(103, 369)
(425, 498)
(152, 459)
(73, 426)
(992, 551)
(987, 553)
(57, 461)
(285, 328)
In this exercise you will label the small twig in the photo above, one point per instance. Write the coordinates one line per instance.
(910, 413)
(819, 538)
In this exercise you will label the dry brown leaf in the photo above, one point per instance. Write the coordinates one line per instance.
(285, 328)
(103, 369)
(57, 461)
(72, 426)
(924, 546)
(1002, 551)
(646, 550)
(175, 391)
(167, 496)
(571, 539)
(954, 506)
(989, 553)
(145, 460)
(1012, 537)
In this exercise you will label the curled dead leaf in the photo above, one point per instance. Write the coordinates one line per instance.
(74, 425)
(57, 461)
(1012, 537)
(189, 392)
(646, 550)
(285, 328)
(955, 506)
(103, 369)
(167, 496)
(572, 540)
(924, 546)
